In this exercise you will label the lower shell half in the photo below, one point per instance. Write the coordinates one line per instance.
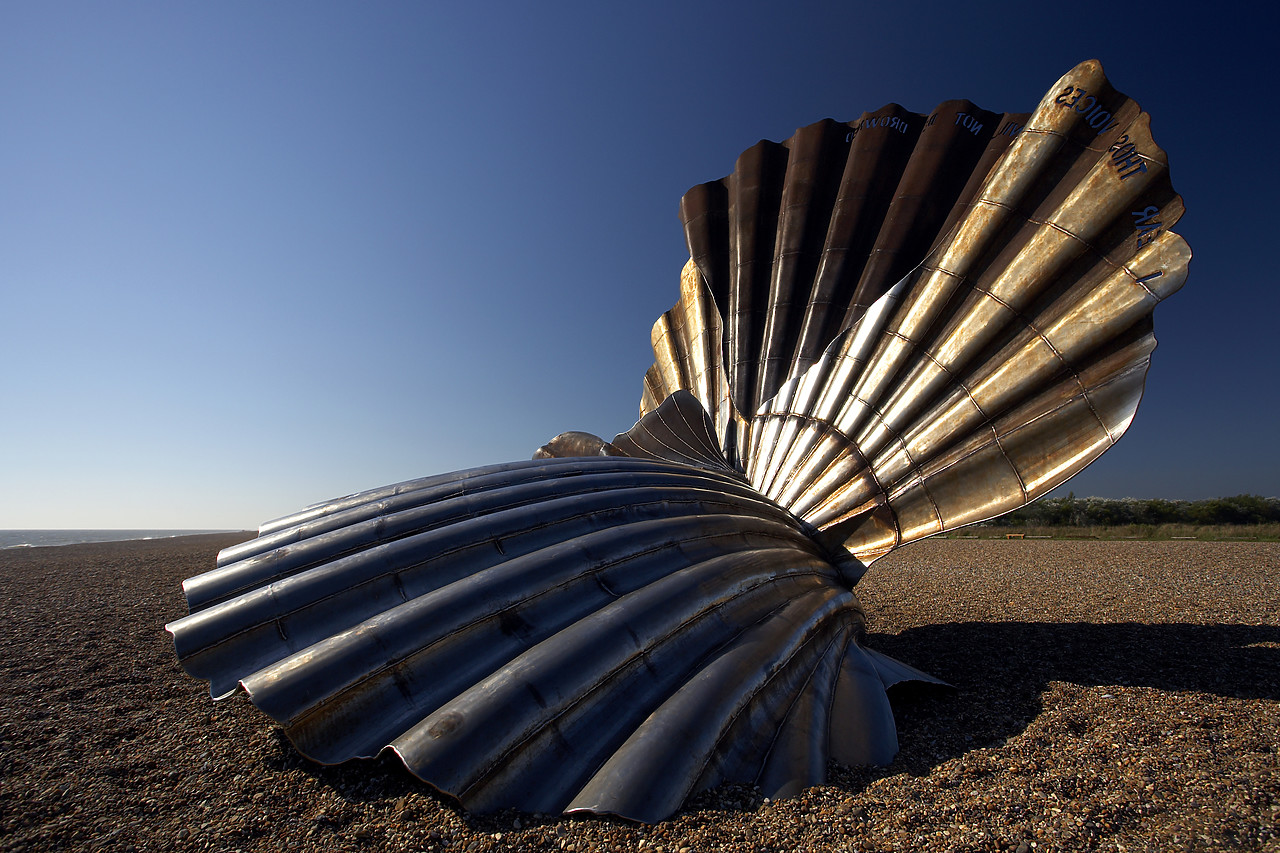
(605, 634)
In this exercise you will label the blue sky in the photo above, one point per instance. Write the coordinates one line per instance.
(254, 255)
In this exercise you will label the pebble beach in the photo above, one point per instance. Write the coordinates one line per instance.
(1120, 696)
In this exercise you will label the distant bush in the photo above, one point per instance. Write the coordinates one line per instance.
(1104, 512)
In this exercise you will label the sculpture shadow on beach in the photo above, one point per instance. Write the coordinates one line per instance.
(999, 670)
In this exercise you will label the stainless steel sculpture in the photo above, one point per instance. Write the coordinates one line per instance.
(887, 329)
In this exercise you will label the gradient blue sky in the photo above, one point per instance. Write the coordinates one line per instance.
(257, 255)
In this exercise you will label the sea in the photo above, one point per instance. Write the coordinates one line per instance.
(46, 538)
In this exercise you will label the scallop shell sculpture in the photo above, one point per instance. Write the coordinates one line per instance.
(888, 328)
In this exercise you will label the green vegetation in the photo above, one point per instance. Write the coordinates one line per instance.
(1243, 517)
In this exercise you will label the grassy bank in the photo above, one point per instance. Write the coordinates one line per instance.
(1155, 532)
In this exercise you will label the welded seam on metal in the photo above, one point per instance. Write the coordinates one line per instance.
(841, 634)
(1144, 366)
(829, 429)
(985, 422)
(587, 482)
(811, 630)
(698, 457)
(605, 678)
(699, 431)
(784, 543)
(465, 483)
(671, 453)
(436, 555)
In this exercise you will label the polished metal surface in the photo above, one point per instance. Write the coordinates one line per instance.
(926, 321)
(552, 637)
(887, 328)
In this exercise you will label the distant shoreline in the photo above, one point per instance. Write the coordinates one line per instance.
(53, 537)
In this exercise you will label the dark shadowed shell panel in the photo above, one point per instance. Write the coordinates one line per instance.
(805, 234)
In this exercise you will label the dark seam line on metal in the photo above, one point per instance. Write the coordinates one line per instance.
(768, 752)
(823, 429)
(1093, 410)
(898, 538)
(649, 386)
(1026, 495)
(878, 417)
(697, 454)
(713, 439)
(1028, 324)
(977, 288)
(1142, 281)
(754, 461)
(1102, 257)
(773, 510)
(701, 664)
(894, 333)
(368, 545)
(988, 202)
(1066, 366)
(795, 545)
(775, 489)
(772, 464)
(361, 499)
(644, 429)
(986, 421)
(969, 455)
(777, 456)
(404, 596)
(645, 652)
(1083, 242)
(671, 339)
(923, 484)
(1111, 379)
(850, 641)
(851, 446)
(1083, 395)
(709, 659)
(523, 472)
(699, 430)
(687, 358)
(812, 630)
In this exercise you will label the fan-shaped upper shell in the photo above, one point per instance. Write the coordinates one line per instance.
(908, 323)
